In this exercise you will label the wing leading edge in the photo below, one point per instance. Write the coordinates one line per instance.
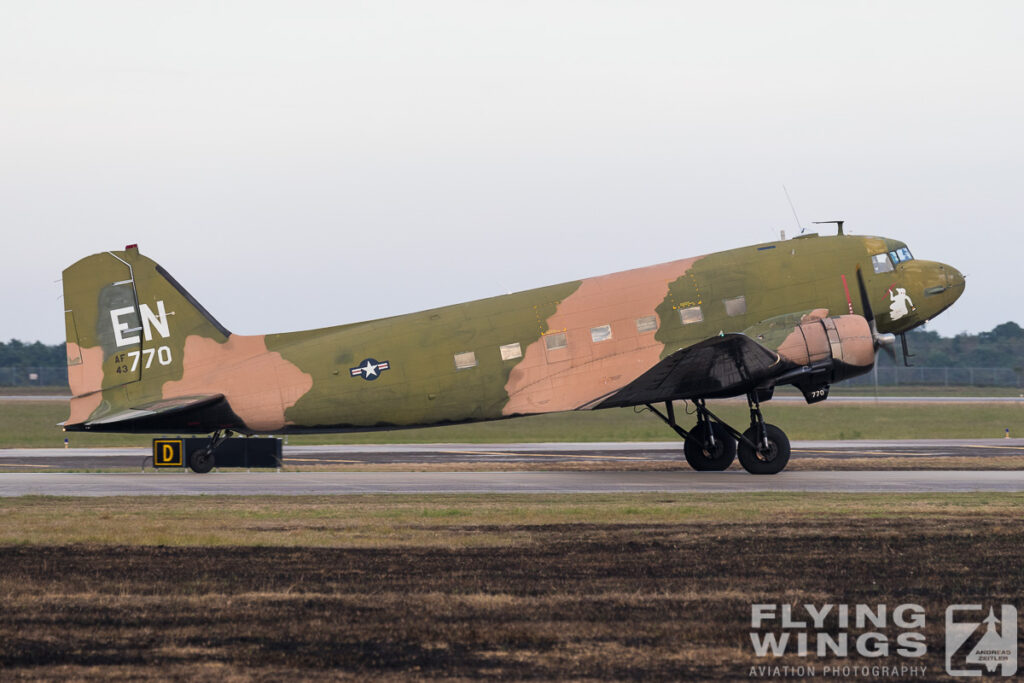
(727, 365)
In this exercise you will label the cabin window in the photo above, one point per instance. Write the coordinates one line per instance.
(555, 341)
(881, 263)
(691, 315)
(464, 361)
(648, 323)
(735, 306)
(600, 334)
(511, 351)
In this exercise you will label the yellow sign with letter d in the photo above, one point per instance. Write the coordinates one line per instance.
(168, 453)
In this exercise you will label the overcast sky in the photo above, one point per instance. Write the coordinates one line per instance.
(302, 164)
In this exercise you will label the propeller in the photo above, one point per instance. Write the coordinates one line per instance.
(886, 342)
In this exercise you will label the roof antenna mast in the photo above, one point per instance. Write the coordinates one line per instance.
(839, 225)
(793, 209)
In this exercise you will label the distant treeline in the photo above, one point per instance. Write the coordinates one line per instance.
(36, 355)
(1001, 347)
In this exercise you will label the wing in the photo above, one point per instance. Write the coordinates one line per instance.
(728, 365)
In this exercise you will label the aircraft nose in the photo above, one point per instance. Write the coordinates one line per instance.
(954, 278)
(924, 290)
(955, 283)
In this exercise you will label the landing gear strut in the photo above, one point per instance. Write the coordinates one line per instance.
(201, 461)
(712, 445)
(763, 448)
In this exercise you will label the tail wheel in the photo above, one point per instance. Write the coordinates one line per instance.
(201, 461)
(770, 459)
(704, 457)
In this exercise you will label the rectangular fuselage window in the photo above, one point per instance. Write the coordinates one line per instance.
(735, 306)
(556, 340)
(693, 314)
(465, 360)
(511, 351)
(648, 323)
(601, 333)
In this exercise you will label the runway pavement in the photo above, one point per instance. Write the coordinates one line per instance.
(52, 459)
(351, 482)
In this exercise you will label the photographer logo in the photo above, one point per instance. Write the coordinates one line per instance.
(977, 645)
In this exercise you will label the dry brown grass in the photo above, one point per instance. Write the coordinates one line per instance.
(649, 600)
(916, 462)
(454, 521)
(801, 464)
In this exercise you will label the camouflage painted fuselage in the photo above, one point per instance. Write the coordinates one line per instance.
(138, 342)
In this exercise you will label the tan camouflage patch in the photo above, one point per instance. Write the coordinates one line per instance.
(565, 379)
(258, 384)
(85, 369)
(85, 378)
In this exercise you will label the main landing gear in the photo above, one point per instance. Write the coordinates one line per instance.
(712, 445)
(201, 460)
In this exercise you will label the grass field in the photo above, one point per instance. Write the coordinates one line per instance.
(406, 520)
(631, 586)
(32, 425)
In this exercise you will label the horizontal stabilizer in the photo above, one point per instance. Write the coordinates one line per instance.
(156, 408)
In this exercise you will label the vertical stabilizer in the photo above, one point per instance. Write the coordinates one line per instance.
(126, 322)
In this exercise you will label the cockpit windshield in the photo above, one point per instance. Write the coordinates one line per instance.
(885, 262)
(900, 255)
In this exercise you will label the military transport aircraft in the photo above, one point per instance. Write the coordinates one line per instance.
(144, 356)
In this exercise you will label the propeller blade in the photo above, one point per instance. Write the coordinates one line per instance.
(886, 342)
(869, 315)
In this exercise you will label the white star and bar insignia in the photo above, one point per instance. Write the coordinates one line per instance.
(370, 369)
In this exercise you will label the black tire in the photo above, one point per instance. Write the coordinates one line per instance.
(760, 461)
(201, 461)
(706, 459)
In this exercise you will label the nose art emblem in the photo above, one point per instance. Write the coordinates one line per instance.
(900, 304)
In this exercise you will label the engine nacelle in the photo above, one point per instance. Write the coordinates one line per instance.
(841, 345)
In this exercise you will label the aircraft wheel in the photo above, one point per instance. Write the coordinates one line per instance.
(710, 459)
(201, 461)
(771, 460)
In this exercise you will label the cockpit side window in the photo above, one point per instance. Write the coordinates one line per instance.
(900, 255)
(881, 263)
